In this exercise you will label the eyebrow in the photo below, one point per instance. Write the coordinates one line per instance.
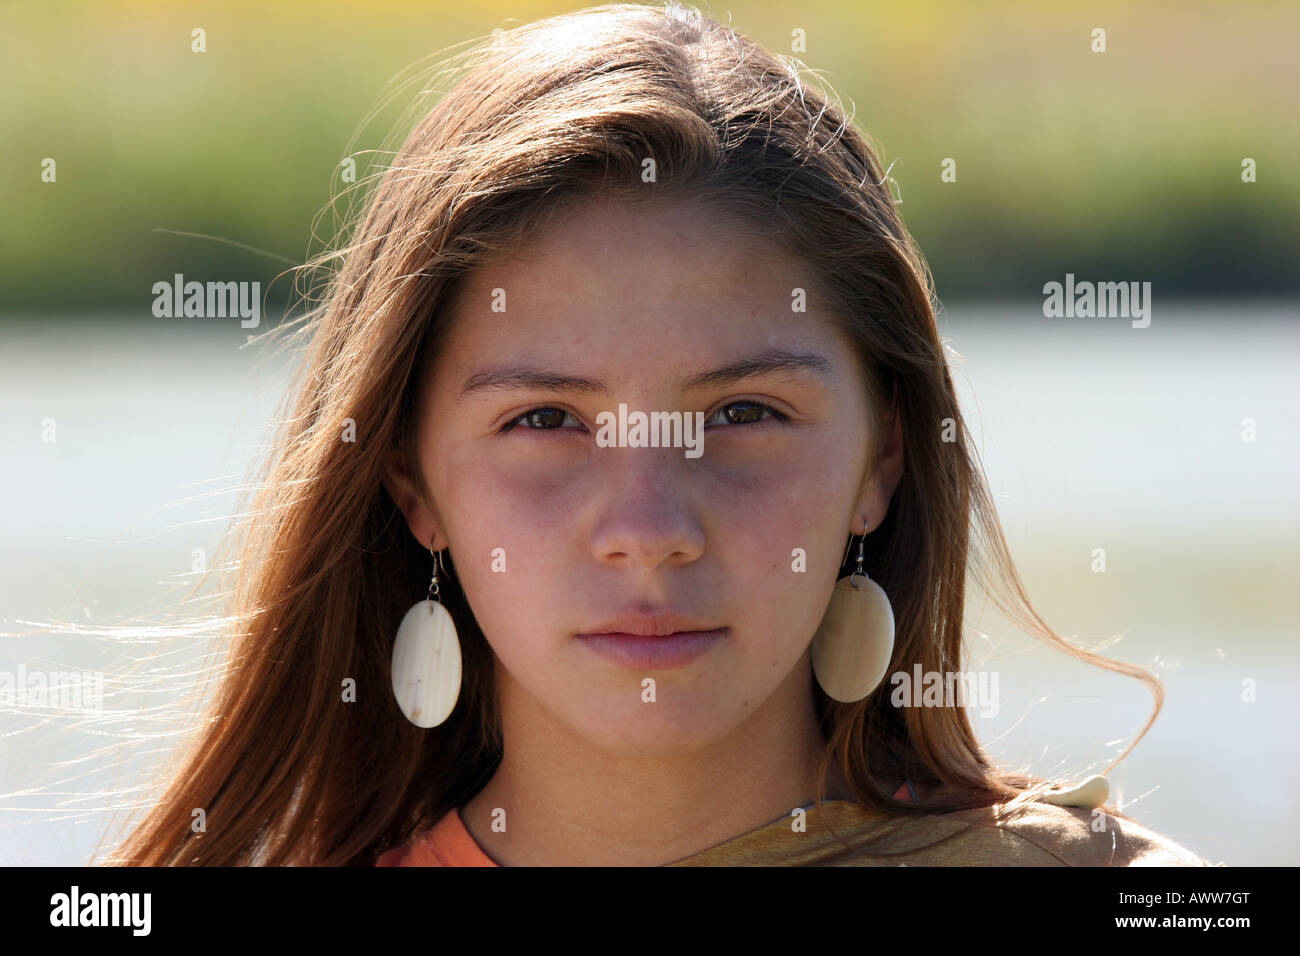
(526, 376)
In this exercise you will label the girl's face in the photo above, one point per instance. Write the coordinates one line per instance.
(554, 533)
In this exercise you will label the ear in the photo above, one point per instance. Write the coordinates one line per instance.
(405, 492)
(880, 486)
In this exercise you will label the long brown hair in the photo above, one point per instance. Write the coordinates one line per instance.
(285, 770)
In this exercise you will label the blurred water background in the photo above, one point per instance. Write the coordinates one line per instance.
(1116, 166)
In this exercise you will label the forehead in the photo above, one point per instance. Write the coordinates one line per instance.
(602, 236)
(600, 263)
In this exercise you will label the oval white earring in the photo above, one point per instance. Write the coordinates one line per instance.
(854, 643)
(426, 664)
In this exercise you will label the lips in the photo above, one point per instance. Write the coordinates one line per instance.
(646, 653)
(651, 623)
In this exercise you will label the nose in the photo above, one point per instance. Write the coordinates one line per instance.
(648, 515)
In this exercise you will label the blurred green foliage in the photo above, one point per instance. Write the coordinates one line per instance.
(1124, 165)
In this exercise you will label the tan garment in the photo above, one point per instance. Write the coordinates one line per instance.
(1039, 835)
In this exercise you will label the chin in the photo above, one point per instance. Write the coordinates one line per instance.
(663, 733)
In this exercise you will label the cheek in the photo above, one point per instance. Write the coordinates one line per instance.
(783, 523)
(793, 497)
(508, 497)
(510, 529)
(526, 507)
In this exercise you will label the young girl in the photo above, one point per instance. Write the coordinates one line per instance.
(623, 471)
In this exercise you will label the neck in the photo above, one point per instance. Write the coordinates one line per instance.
(567, 803)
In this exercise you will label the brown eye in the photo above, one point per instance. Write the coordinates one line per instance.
(544, 418)
(540, 419)
(747, 413)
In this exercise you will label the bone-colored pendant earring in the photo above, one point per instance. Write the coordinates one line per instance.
(855, 641)
(426, 660)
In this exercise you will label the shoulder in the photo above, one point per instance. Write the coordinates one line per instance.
(1075, 836)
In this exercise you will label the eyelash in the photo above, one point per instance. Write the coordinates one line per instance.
(514, 423)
